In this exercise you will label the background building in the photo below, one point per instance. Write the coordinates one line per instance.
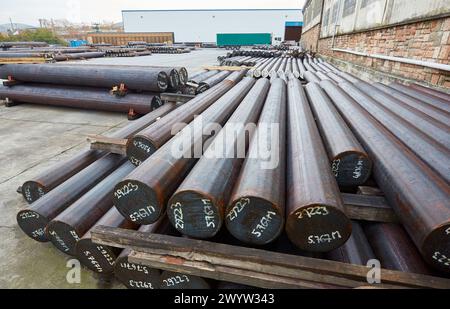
(204, 25)
(407, 39)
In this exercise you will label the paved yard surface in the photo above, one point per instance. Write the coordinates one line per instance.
(33, 138)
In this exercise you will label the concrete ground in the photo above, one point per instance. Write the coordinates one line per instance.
(34, 137)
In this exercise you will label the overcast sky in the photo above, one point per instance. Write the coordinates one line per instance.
(87, 11)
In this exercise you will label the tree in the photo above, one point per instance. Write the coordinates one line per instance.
(35, 35)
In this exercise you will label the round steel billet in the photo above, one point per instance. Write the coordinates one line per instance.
(142, 195)
(149, 80)
(436, 102)
(53, 203)
(197, 207)
(436, 113)
(350, 164)
(32, 190)
(174, 78)
(172, 280)
(322, 76)
(255, 213)
(394, 248)
(184, 76)
(203, 76)
(431, 92)
(307, 66)
(212, 81)
(101, 258)
(416, 193)
(333, 76)
(316, 220)
(147, 141)
(66, 229)
(310, 77)
(356, 250)
(349, 77)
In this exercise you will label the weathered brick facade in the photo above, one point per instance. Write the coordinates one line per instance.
(425, 40)
(310, 38)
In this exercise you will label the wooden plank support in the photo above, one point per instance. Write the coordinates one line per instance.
(226, 68)
(22, 60)
(176, 97)
(368, 208)
(250, 266)
(113, 145)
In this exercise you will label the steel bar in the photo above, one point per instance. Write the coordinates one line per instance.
(146, 142)
(202, 203)
(15, 44)
(436, 130)
(81, 97)
(212, 81)
(436, 102)
(142, 195)
(100, 258)
(295, 69)
(394, 248)
(350, 163)
(333, 76)
(308, 67)
(432, 92)
(35, 218)
(70, 225)
(322, 76)
(266, 71)
(301, 68)
(201, 77)
(316, 220)
(274, 70)
(417, 195)
(50, 178)
(436, 113)
(255, 213)
(349, 77)
(75, 56)
(172, 280)
(356, 250)
(108, 77)
(310, 77)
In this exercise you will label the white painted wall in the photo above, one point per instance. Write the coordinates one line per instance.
(203, 25)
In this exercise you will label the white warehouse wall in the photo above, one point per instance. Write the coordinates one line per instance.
(203, 25)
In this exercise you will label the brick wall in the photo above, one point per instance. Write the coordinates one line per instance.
(426, 40)
(309, 38)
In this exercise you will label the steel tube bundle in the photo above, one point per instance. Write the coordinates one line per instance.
(356, 250)
(255, 213)
(431, 152)
(142, 196)
(417, 195)
(69, 226)
(148, 80)
(35, 218)
(436, 130)
(212, 81)
(202, 203)
(349, 162)
(436, 102)
(146, 142)
(80, 97)
(436, 113)
(316, 220)
(101, 258)
(46, 181)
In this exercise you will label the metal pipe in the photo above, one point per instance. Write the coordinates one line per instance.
(81, 97)
(75, 56)
(150, 80)
(147, 141)
(101, 258)
(142, 196)
(256, 211)
(316, 219)
(50, 178)
(417, 195)
(70, 225)
(202, 203)
(350, 164)
(431, 152)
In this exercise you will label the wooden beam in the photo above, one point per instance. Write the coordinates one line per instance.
(213, 260)
(368, 208)
(113, 145)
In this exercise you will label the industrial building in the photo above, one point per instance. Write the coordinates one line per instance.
(204, 25)
(390, 39)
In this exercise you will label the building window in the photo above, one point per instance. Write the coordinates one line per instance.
(349, 7)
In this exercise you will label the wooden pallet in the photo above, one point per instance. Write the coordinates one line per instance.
(255, 267)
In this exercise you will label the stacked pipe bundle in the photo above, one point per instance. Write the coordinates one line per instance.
(88, 86)
(168, 50)
(51, 54)
(203, 80)
(205, 178)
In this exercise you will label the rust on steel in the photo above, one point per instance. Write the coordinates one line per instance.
(147, 141)
(418, 196)
(255, 213)
(142, 195)
(203, 195)
(350, 163)
(316, 219)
